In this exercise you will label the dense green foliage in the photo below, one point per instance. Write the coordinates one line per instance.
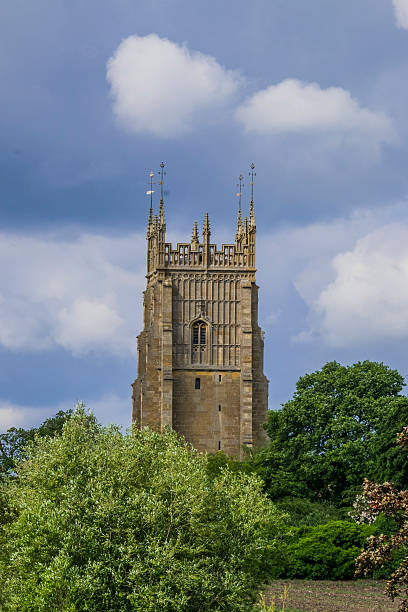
(14, 441)
(94, 520)
(219, 461)
(305, 513)
(340, 427)
(100, 521)
(324, 552)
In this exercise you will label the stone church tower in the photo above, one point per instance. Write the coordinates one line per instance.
(200, 354)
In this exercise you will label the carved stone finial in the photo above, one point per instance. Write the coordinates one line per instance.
(251, 215)
(161, 213)
(206, 229)
(194, 237)
(252, 174)
(150, 221)
(162, 174)
(238, 234)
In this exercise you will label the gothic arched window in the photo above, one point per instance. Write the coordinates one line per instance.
(200, 333)
(199, 342)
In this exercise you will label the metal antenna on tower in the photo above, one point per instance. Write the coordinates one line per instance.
(151, 192)
(239, 194)
(162, 174)
(252, 174)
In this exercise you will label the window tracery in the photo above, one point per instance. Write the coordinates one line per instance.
(199, 341)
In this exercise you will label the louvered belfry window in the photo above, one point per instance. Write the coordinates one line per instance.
(199, 342)
(200, 333)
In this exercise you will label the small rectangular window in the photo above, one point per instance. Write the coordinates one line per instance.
(219, 407)
(219, 378)
(197, 383)
(219, 445)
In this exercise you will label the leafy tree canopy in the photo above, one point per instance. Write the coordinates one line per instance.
(339, 427)
(14, 441)
(100, 521)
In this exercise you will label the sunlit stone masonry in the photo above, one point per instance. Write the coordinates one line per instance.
(200, 354)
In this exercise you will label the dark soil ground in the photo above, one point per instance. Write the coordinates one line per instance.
(328, 596)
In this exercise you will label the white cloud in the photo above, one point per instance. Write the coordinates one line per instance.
(295, 107)
(343, 280)
(86, 322)
(160, 87)
(108, 408)
(303, 255)
(401, 13)
(13, 415)
(368, 298)
(351, 274)
(81, 294)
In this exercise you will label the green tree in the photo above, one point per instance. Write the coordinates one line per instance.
(100, 521)
(339, 427)
(381, 550)
(14, 441)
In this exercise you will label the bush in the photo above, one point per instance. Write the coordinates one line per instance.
(325, 552)
(98, 521)
(303, 512)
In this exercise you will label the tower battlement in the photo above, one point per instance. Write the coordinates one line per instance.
(160, 254)
(185, 256)
(200, 354)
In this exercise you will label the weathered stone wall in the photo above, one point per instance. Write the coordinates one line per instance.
(260, 382)
(208, 417)
(147, 386)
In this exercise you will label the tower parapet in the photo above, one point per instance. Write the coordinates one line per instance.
(240, 254)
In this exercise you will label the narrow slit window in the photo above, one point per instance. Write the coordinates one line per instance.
(219, 407)
(219, 378)
(197, 383)
(219, 445)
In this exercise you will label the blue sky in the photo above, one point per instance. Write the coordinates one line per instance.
(95, 94)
